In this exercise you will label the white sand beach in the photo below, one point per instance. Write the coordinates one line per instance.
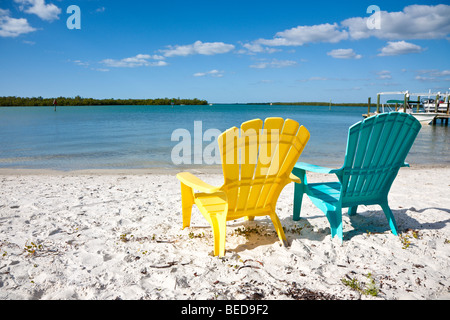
(117, 235)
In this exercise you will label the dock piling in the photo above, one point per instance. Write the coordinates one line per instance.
(436, 103)
(378, 103)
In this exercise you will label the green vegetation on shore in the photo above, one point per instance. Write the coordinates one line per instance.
(79, 101)
(13, 101)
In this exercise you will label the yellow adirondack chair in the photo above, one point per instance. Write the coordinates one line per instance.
(257, 164)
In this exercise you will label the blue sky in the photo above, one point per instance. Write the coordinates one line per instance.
(224, 51)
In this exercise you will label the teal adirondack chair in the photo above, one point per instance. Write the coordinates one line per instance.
(376, 149)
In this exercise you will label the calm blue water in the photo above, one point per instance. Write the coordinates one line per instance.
(108, 137)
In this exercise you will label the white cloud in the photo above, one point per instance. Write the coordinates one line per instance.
(426, 79)
(433, 75)
(384, 74)
(274, 64)
(44, 11)
(80, 63)
(306, 34)
(160, 63)
(157, 57)
(253, 48)
(414, 22)
(12, 27)
(139, 60)
(316, 79)
(399, 47)
(344, 54)
(198, 47)
(213, 73)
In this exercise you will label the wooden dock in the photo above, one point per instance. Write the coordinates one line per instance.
(443, 116)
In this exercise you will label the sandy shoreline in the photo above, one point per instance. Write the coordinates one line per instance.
(116, 234)
(200, 170)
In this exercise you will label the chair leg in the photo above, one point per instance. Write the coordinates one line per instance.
(187, 200)
(390, 217)
(335, 220)
(352, 210)
(279, 229)
(219, 226)
(298, 198)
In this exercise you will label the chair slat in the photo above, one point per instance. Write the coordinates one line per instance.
(249, 156)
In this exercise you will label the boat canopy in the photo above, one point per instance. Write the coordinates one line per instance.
(395, 101)
(401, 101)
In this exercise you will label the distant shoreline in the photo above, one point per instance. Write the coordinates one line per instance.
(13, 101)
(79, 101)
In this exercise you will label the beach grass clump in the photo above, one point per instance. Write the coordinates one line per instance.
(3, 252)
(368, 289)
(126, 237)
(405, 240)
(406, 237)
(196, 235)
(371, 287)
(247, 232)
(296, 229)
(352, 283)
(32, 248)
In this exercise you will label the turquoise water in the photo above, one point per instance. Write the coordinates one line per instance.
(128, 137)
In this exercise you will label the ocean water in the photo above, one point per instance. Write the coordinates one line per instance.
(130, 137)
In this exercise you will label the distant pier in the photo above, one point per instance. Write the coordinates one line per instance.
(442, 116)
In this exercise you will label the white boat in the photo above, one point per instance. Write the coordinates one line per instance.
(429, 105)
(413, 107)
(424, 117)
(433, 99)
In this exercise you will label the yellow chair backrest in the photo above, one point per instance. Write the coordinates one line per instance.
(257, 161)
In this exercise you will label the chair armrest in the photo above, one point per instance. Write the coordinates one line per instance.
(313, 168)
(195, 183)
(294, 178)
(405, 164)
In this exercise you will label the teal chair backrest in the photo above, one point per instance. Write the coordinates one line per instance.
(376, 149)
